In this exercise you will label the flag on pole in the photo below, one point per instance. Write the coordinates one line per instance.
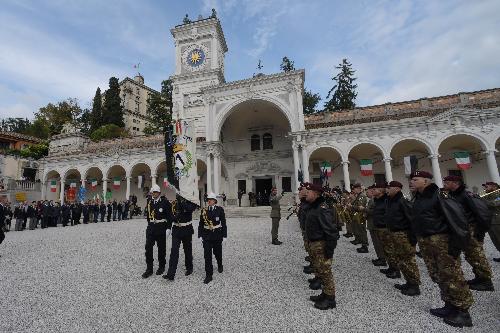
(326, 168)
(366, 167)
(165, 182)
(411, 164)
(53, 186)
(93, 183)
(463, 159)
(116, 183)
(139, 181)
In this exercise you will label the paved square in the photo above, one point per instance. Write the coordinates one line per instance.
(87, 279)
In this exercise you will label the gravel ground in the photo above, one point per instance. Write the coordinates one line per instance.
(87, 279)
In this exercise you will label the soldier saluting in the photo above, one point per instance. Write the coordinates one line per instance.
(212, 230)
(159, 216)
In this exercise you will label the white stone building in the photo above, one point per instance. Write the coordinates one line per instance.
(252, 134)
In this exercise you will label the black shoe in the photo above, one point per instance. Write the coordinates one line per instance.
(160, 271)
(188, 272)
(308, 269)
(348, 235)
(482, 285)
(362, 249)
(276, 242)
(419, 254)
(307, 258)
(355, 242)
(168, 277)
(400, 286)
(411, 290)
(311, 280)
(496, 259)
(442, 312)
(379, 262)
(458, 318)
(317, 298)
(207, 280)
(220, 268)
(394, 274)
(316, 285)
(473, 281)
(147, 273)
(385, 270)
(327, 302)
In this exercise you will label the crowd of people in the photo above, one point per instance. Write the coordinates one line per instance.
(442, 223)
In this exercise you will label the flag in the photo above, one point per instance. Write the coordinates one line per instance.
(178, 128)
(93, 183)
(411, 164)
(366, 167)
(165, 182)
(139, 181)
(116, 183)
(326, 168)
(137, 65)
(53, 186)
(108, 195)
(463, 159)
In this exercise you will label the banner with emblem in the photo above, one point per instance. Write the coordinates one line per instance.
(326, 169)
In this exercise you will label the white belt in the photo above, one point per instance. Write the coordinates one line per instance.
(183, 224)
(156, 221)
(213, 227)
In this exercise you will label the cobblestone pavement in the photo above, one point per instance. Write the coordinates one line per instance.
(88, 279)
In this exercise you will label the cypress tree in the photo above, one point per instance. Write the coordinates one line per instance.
(96, 113)
(112, 112)
(343, 94)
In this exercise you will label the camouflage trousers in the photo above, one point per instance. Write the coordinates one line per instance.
(404, 253)
(359, 229)
(348, 224)
(322, 267)
(387, 245)
(474, 255)
(445, 270)
(377, 244)
(306, 242)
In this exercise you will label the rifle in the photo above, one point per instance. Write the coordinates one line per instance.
(294, 211)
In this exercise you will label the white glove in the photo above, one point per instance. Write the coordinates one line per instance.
(169, 231)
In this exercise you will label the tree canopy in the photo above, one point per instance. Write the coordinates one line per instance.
(343, 94)
(287, 65)
(109, 131)
(95, 119)
(159, 109)
(309, 102)
(112, 109)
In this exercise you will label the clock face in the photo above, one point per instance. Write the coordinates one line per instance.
(194, 57)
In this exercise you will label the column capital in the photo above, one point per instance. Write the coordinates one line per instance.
(388, 159)
(490, 152)
(434, 156)
(345, 162)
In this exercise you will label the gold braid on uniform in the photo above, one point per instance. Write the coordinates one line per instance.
(206, 221)
(174, 207)
(151, 213)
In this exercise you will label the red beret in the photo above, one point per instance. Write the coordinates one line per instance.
(370, 187)
(491, 183)
(379, 185)
(452, 178)
(315, 187)
(423, 174)
(395, 183)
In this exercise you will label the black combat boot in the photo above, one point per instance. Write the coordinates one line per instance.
(311, 280)
(147, 273)
(481, 285)
(327, 302)
(317, 298)
(188, 272)
(307, 258)
(411, 290)
(348, 235)
(400, 286)
(458, 318)
(442, 312)
(160, 270)
(168, 277)
(394, 274)
(208, 279)
(379, 262)
(496, 259)
(315, 285)
(385, 270)
(355, 242)
(220, 268)
(308, 269)
(276, 242)
(362, 249)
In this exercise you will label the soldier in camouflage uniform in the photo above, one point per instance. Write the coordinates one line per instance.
(377, 243)
(346, 199)
(492, 198)
(440, 253)
(358, 208)
(315, 282)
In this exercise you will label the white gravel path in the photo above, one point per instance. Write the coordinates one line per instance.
(87, 279)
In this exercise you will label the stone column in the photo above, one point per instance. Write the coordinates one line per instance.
(104, 189)
(296, 164)
(388, 169)
(436, 171)
(347, 179)
(492, 166)
(209, 174)
(127, 192)
(217, 172)
(61, 195)
(153, 179)
(305, 164)
(43, 189)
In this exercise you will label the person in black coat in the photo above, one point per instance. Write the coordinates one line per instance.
(31, 215)
(212, 229)
(119, 212)
(102, 210)
(126, 207)
(115, 207)
(76, 213)
(95, 210)
(109, 211)
(86, 212)
(2, 221)
(65, 214)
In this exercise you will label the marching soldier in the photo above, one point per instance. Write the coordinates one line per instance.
(159, 217)
(440, 249)
(109, 210)
(346, 199)
(398, 220)
(376, 241)
(274, 200)
(65, 214)
(102, 210)
(492, 198)
(86, 212)
(212, 230)
(474, 251)
(358, 208)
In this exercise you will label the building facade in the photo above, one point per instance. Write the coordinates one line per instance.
(251, 134)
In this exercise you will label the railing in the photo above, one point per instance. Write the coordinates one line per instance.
(21, 185)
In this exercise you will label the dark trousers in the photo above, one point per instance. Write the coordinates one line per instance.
(95, 217)
(2, 234)
(187, 245)
(209, 247)
(109, 217)
(114, 214)
(65, 221)
(156, 233)
(102, 216)
(44, 222)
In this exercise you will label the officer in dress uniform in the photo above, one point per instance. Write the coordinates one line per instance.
(212, 230)
(159, 216)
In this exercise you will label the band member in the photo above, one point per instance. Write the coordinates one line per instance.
(212, 230)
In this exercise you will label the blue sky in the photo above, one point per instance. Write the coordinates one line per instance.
(54, 49)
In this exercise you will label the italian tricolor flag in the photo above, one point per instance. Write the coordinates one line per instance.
(93, 183)
(53, 186)
(463, 159)
(366, 167)
(165, 182)
(326, 168)
(116, 183)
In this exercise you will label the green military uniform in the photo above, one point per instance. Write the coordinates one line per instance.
(377, 242)
(346, 214)
(275, 216)
(359, 219)
(493, 200)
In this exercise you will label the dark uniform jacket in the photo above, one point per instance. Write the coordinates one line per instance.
(159, 210)
(378, 213)
(212, 225)
(302, 214)
(31, 211)
(183, 213)
(428, 218)
(398, 213)
(320, 225)
(65, 211)
(102, 208)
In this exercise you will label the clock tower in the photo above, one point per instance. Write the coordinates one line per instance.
(200, 47)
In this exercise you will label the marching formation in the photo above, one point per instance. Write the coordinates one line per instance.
(443, 223)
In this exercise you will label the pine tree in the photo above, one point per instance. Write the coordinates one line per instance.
(343, 94)
(287, 65)
(310, 101)
(96, 115)
(112, 112)
(159, 109)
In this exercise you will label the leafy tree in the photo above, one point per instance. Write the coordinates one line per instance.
(56, 115)
(343, 94)
(35, 151)
(18, 125)
(39, 128)
(112, 112)
(287, 65)
(95, 117)
(109, 131)
(310, 101)
(84, 122)
(159, 109)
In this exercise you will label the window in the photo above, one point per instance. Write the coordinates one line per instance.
(242, 185)
(286, 184)
(255, 142)
(267, 141)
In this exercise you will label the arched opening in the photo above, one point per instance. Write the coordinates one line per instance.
(325, 167)
(72, 184)
(464, 155)
(366, 164)
(117, 183)
(141, 182)
(407, 156)
(93, 184)
(263, 165)
(53, 185)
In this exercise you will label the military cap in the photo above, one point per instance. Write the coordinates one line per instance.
(356, 185)
(395, 183)
(491, 183)
(423, 174)
(452, 178)
(379, 185)
(315, 187)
